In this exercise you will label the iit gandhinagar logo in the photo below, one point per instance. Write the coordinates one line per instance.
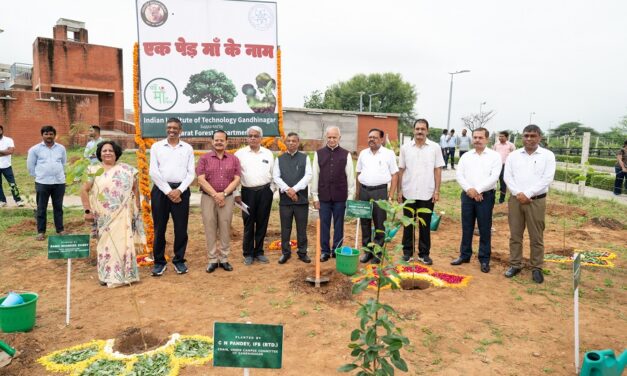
(154, 13)
(261, 17)
(160, 94)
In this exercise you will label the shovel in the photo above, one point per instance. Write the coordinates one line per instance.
(317, 280)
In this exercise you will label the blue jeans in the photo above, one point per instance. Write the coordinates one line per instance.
(480, 212)
(8, 174)
(621, 180)
(331, 211)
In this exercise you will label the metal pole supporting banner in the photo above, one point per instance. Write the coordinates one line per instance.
(67, 297)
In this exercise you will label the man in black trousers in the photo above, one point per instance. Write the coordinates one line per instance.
(172, 171)
(292, 174)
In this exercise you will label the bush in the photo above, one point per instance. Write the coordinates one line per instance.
(605, 182)
(595, 179)
(593, 161)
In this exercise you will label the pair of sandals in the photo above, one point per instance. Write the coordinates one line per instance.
(42, 236)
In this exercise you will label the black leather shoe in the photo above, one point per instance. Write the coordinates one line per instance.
(304, 258)
(366, 257)
(212, 267)
(375, 260)
(537, 276)
(325, 257)
(509, 273)
(459, 261)
(283, 259)
(485, 268)
(226, 266)
(406, 258)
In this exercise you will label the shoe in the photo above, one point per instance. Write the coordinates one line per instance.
(425, 260)
(366, 257)
(226, 266)
(158, 269)
(304, 258)
(452, 168)
(501, 200)
(62, 232)
(248, 260)
(325, 257)
(180, 267)
(537, 276)
(2, 204)
(333, 255)
(406, 258)
(375, 260)
(212, 267)
(103, 284)
(509, 273)
(40, 237)
(459, 261)
(262, 259)
(485, 268)
(283, 259)
(20, 203)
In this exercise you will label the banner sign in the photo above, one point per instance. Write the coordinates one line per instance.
(358, 209)
(210, 63)
(247, 345)
(68, 246)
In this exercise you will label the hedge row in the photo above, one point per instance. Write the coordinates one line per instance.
(594, 161)
(595, 179)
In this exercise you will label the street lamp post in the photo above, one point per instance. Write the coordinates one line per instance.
(530, 116)
(361, 102)
(480, 107)
(370, 101)
(450, 97)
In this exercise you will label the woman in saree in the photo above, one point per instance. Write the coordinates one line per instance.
(111, 200)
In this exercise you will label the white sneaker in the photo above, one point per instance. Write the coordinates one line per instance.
(20, 203)
(3, 204)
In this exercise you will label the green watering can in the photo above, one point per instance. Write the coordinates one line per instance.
(435, 220)
(603, 363)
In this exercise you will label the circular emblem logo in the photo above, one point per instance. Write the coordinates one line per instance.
(261, 17)
(160, 94)
(154, 13)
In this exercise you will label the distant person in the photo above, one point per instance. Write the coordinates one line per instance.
(420, 176)
(529, 172)
(376, 168)
(292, 174)
(504, 148)
(92, 144)
(172, 172)
(621, 170)
(218, 176)
(120, 230)
(257, 193)
(451, 143)
(46, 163)
(477, 174)
(332, 183)
(7, 147)
(444, 146)
(463, 143)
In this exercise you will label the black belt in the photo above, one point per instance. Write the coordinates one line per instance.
(174, 185)
(374, 188)
(257, 188)
(538, 196)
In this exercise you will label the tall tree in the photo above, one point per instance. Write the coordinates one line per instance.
(210, 86)
(474, 121)
(393, 95)
(572, 128)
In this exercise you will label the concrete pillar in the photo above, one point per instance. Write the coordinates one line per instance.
(585, 152)
(59, 32)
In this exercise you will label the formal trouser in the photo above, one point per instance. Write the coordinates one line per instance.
(298, 213)
(451, 154)
(217, 223)
(445, 156)
(378, 215)
(43, 193)
(259, 201)
(620, 181)
(480, 212)
(462, 152)
(331, 211)
(530, 216)
(162, 208)
(424, 231)
(8, 174)
(502, 185)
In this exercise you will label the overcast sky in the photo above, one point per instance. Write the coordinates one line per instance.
(564, 60)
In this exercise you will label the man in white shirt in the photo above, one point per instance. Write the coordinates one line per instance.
(444, 146)
(7, 147)
(332, 183)
(463, 143)
(420, 175)
(528, 173)
(451, 143)
(92, 144)
(257, 163)
(477, 173)
(504, 148)
(292, 174)
(376, 168)
(172, 171)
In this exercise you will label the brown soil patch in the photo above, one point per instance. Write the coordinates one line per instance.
(563, 252)
(560, 210)
(610, 223)
(135, 340)
(22, 227)
(413, 284)
(339, 288)
(28, 351)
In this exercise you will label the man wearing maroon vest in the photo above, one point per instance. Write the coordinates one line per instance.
(332, 183)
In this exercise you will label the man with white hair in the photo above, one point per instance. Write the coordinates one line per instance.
(256, 163)
(332, 183)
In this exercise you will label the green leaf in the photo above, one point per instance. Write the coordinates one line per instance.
(371, 336)
(355, 334)
(361, 286)
(400, 364)
(347, 367)
(387, 367)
